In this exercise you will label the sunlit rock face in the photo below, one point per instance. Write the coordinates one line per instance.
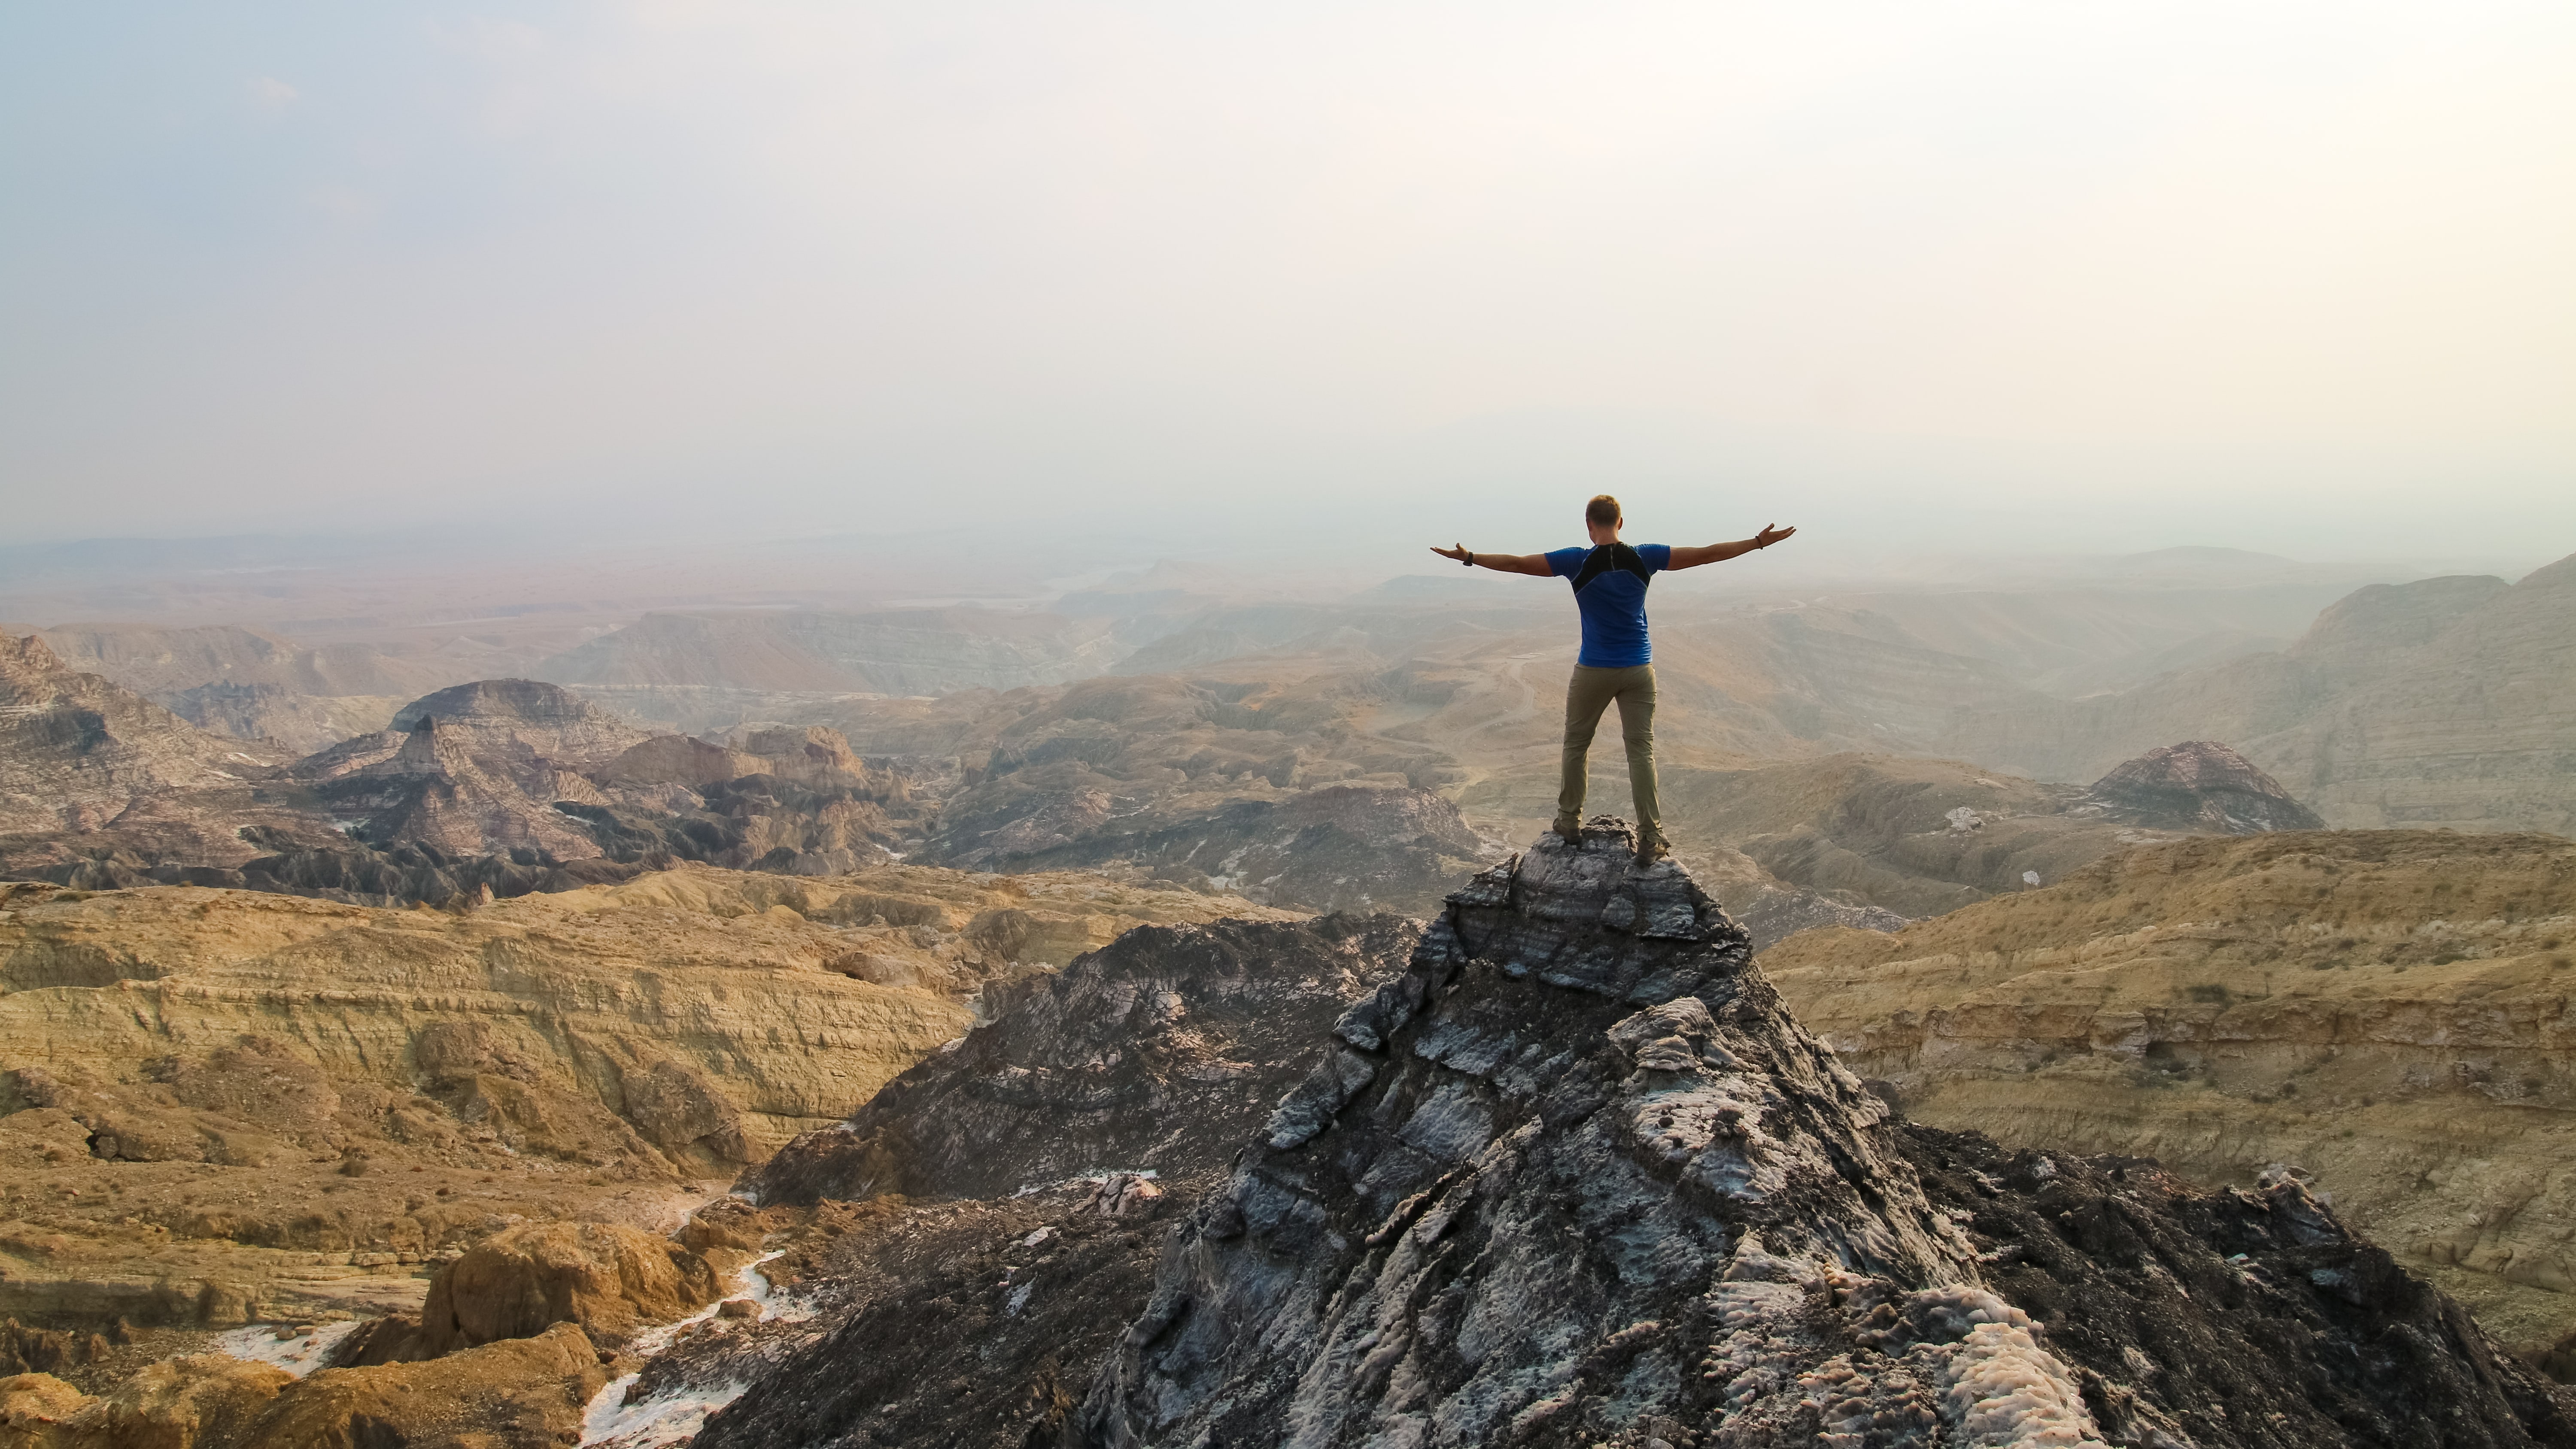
(77, 752)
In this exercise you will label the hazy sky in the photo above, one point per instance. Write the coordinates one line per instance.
(2288, 276)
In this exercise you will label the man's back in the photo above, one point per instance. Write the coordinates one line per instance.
(1613, 603)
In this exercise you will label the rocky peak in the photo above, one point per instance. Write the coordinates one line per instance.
(1542, 1180)
(1578, 1178)
(2202, 785)
(523, 728)
(436, 790)
(427, 751)
(76, 751)
(28, 670)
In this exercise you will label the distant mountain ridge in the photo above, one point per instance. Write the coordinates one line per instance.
(2444, 702)
(910, 651)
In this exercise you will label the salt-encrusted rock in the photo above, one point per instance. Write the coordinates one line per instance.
(1579, 1179)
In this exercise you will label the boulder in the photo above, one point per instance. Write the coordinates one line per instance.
(609, 1279)
(524, 1391)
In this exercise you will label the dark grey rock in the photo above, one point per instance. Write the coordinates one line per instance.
(1164, 1049)
(2200, 785)
(1599, 1188)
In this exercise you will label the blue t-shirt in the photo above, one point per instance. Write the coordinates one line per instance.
(1614, 607)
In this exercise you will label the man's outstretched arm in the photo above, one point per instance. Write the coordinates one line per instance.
(1504, 563)
(1708, 553)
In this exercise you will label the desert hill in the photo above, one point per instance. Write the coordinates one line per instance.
(1919, 837)
(2446, 702)
(2385, 1009)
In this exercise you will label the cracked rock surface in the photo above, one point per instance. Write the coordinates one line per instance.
(1578, 1178)
(1160, 1051)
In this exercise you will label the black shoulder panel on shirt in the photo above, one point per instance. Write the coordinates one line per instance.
(1612, 556)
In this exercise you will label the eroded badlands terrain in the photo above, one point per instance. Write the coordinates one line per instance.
(2386, 1010)
(1573, 1175)
(400, 1031)
(225, 1105)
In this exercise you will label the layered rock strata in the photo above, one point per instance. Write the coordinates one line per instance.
(2387, 1009)
(223, 1105)
(77, 753)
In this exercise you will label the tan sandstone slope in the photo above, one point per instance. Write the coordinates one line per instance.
(218, 1102)
(2386, 1009)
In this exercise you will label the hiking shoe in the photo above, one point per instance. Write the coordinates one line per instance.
(1569, 828)
(1649, 852)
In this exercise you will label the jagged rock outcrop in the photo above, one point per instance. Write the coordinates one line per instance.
(975, 1322)
(1577, 1177)
(526, 730)
(77, 753)
(1159, 1051)
(434, 791)
(2201, 786)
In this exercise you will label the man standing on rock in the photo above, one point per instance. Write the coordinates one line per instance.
(1610, 581)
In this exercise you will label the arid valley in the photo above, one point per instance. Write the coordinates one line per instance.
(616, 1032)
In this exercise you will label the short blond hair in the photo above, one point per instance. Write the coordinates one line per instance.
(1603, 510)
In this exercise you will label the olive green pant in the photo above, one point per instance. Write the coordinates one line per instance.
(1586, 696)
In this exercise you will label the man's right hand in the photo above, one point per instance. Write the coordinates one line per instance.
(1501, 563)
